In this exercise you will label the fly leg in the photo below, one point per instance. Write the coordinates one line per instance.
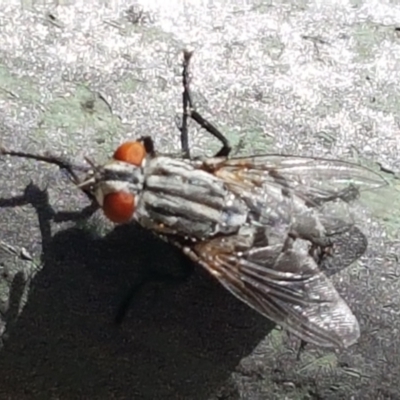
(186, 102)
(49, 159)
(189, 111)
(64, 165)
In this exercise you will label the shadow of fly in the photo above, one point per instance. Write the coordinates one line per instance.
(261, 225)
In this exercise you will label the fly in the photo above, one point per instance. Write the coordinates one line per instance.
(261, 225)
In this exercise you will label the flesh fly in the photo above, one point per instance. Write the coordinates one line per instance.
(260, 225)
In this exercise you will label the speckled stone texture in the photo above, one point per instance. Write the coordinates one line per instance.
(305, 77)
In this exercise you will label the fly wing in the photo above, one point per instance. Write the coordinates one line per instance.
(286, 287)
(302, 192)
(317, 179)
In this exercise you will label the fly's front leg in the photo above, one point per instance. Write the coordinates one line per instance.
(49, 159)
(32, 192)
(189, 111)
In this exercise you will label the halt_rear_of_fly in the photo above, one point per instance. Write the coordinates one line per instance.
(262, 225)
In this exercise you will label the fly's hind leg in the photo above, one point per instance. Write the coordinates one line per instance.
(190, 112)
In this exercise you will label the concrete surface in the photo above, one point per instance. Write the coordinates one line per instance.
(303, 77)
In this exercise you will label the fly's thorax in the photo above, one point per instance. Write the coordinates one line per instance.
(181, 199)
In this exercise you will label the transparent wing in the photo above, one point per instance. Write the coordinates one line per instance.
(300, 192)
(317, 179)
(286, 287)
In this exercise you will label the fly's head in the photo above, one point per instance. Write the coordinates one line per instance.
(117, 184)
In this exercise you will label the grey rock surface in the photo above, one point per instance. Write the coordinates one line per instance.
(77, 78)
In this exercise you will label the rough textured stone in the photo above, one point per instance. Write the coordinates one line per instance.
(304, 77)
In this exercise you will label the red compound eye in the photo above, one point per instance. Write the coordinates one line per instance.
(131, 152)
(119, 207)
